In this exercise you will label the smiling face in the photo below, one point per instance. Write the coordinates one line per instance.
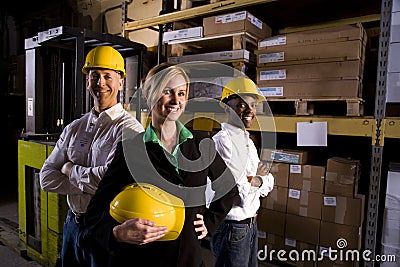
(242, 110)
(173, 99)
(103, 85)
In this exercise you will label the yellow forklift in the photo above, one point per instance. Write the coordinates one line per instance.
(56, 95)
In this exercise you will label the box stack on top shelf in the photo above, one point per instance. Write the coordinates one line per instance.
(319, 65)
(228, 38)
(323, 200)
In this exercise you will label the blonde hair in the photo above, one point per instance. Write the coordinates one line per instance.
(156, 80)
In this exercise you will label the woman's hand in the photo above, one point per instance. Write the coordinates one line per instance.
(200, 227)
(138, 231)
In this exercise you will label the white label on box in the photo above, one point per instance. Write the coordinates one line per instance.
(30, 107)
(183, 34)
(272, 57)
(330, 201)
(230, 17)
(290, 242)
(293, 193)
(281, 40)
(294, 168)
(271, 91)
(255, 21)
(268, 75)
(324, 251)
(262, 234)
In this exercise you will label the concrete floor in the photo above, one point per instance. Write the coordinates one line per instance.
(12, 251)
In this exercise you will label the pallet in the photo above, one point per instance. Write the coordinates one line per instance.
(352, 107)
(223, 42)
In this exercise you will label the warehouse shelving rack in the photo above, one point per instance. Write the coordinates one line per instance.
(377, 127)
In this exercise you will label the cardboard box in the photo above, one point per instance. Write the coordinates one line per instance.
(340, 51)
(183, 34)
(241, 21)
(306, 253)
(330, 233)
(271, 221)
(315, 71)
(304, 203)
(286, 155)
(221, 56)
(268, 242)
(276, 199)
(394, 53)
(342, 176)
(391, 228)
(343, 210)
(307, 177)
(393, 87)
(392, 200)
(330, 262)
(312, 89)
(280, 171)
(326, 35)
(302, 228)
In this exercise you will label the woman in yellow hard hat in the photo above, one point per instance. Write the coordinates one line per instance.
(173, 165)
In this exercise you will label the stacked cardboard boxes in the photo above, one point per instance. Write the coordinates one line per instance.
(311, 208)
(342, 214)
(291, 204)
(312, 64)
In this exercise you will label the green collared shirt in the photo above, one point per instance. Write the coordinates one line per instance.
(184, 134)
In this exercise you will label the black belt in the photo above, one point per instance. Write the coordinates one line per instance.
(79, 218)
(245, 221)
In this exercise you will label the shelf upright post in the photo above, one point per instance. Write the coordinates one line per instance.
(377, 146)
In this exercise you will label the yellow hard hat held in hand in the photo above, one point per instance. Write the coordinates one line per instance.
(146, 201)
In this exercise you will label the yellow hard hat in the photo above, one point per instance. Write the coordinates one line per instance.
(241, 85)
(104, 57)
(146, 201)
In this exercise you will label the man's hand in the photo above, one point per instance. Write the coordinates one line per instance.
(200, 226)
(138, 231)
(66, 168)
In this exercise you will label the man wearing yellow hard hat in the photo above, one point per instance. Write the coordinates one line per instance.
(149, 209)
(87, 145)
(235, 242)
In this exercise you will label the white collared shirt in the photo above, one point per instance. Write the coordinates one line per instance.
(89, 142)
(240, 155)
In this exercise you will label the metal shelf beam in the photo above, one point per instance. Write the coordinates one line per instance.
(205, 10)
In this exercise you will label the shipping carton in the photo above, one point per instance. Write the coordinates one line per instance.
(342, 176)
(331, 232)
(271, 221)
(343, 210)
(280, 171)
(391, 228)
(305, 254)
(318, 36)
(302, 228)
(286, 155)
(242, 21)
(276, 199)
(340, 51)
(304, 203)
(183, 34)
(307, 177)
(313, 72)
(312, 89)
(268, 242)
